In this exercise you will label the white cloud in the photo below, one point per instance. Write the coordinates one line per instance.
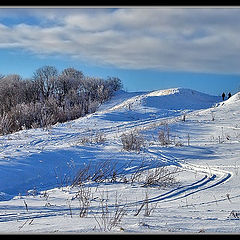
(205, 40)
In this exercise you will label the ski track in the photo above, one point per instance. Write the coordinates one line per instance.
(212, 178)
(204, 183)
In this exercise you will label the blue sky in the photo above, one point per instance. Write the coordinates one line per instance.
(147, 48)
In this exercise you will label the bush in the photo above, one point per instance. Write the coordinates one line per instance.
(5, 124)
(161, 177)
(132, 141)
(164, 135)
(98, 138)
(109, 171)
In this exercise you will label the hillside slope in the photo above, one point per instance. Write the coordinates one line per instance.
(38, 158)
(160, 103)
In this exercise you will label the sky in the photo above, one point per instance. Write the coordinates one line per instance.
(148, 48)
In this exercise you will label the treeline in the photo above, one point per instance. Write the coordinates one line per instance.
(50, 97)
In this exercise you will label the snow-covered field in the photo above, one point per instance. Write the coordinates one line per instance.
(38, 166)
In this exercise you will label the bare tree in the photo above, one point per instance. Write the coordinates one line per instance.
(45, 79)
(48, 98)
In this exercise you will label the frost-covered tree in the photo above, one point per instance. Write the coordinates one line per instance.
(45, 79)
(49, 97)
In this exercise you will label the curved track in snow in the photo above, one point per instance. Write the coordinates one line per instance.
(215, 178)
(212, 178)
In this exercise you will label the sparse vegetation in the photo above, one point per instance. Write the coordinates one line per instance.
(146, 175)
(160, 176)
(104, 171)
(234, 214)
(109, 219)
(213, 115)
(132, 141)
(84, 197)
(164, 135)
(184, 117)
(148, 210)
(165, 138)
(141, 163)
(98, 138)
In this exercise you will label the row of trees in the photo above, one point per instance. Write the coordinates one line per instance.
(50, 97)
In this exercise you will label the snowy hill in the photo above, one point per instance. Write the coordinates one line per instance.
(22, 152)
(205, 147)
(169, 99)
(161, 103)
(235, 99)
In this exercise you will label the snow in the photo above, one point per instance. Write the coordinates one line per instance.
(37, 167)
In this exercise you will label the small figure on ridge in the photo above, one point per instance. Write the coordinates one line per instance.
(223, 96)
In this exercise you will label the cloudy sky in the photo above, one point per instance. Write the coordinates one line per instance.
(147, 47)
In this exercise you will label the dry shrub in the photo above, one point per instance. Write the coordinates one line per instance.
(98, 138)
(109, 171)
(164, 135)
(104, 171)
(110, 217)
(5, 124)
(161, 177)
(84, 197)
(132, 141)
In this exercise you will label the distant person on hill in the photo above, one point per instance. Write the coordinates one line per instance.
(223, 96)
(229, 95)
